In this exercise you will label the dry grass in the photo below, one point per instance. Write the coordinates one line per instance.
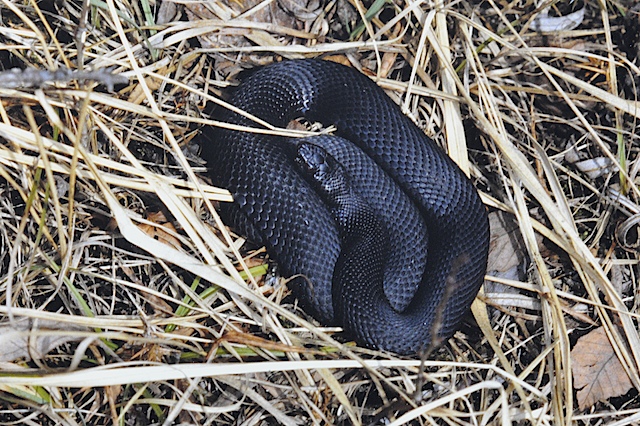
(125, 300)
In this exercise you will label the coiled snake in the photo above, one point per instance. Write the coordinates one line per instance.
(393, 246)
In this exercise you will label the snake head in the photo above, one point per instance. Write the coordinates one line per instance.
(314, 161)
(322, 170)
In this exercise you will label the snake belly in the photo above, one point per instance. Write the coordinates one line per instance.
(436, 213)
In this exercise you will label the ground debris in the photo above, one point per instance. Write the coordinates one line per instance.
(32, 77)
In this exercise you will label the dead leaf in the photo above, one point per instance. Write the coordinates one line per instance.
(152, 352)
(506, 251)
(164, 232)
(547, 24)
(507, 260)
(597, 373)
(137, 95)
(22, 339)
(280, 22)
(620, 276)
(592, 167)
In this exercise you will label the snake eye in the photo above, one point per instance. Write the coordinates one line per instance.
(311, 158)
(318, 158)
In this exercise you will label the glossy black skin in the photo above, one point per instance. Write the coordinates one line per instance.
(281, 206)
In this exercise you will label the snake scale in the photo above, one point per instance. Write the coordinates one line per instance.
(396, 250)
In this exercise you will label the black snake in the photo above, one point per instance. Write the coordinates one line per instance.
(396, 251)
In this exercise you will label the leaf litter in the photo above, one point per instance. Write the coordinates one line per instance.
(125, 297)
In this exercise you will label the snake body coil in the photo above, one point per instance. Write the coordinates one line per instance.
(412, 273)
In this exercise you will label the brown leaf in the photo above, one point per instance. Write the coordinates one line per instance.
(597, 373)
(162, 232)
